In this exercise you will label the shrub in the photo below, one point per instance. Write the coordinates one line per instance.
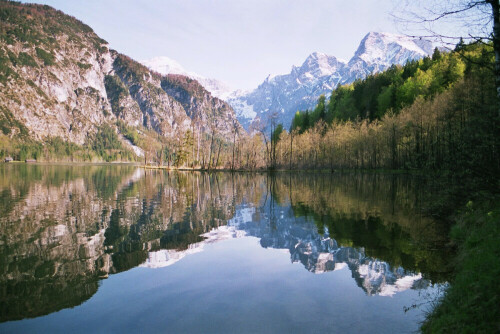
(47, 57)
(26, 60)
(83, 66)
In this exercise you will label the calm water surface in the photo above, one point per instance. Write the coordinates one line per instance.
(116, 249)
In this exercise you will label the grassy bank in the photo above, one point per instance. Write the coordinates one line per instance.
(472, 302)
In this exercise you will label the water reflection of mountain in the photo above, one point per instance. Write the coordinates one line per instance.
(65, 228)
(320, 253)
(62, 229)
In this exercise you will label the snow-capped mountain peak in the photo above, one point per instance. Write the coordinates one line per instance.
(319, 64)
(377, 47)
(165, 65)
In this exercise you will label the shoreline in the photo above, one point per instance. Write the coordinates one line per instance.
(75, 163)
(415, 172)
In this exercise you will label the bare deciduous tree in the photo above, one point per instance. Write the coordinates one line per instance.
(450, 21)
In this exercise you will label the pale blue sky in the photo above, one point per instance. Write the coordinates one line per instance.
(239, 42)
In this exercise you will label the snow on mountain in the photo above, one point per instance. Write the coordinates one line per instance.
(167, 257)
(387, 48)
(166, 65)
(378, 51)
(319, 64)
(283, 95)
(245, 113)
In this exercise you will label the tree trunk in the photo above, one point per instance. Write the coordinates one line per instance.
(234, 144)
(393, 147)
(218, 154)
(268, 155)
(198, 148)
(495, 6)
(194, 158)
(210, 155)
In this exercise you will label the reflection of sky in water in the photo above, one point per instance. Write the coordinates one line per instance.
(234, 285)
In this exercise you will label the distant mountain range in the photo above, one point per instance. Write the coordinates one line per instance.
(320, 73)
(284, 94)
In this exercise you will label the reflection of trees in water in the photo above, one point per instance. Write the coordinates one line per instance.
(52, 236)
(380, 213)
(66, 227)
(369, 223)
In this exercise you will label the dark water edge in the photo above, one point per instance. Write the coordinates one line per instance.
(69, 232)
(470, 304)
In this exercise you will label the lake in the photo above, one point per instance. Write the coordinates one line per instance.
(116, 248)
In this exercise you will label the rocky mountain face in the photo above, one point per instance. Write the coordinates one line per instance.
(59, 79)
(378, 51)
(206, 112)
(283, 95)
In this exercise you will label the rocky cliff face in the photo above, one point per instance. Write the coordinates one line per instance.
(52, 74)
(59, 79)
(151, 106)
(207, 112)
(283, 95)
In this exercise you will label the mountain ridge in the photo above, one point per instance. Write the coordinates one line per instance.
(282, 95)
